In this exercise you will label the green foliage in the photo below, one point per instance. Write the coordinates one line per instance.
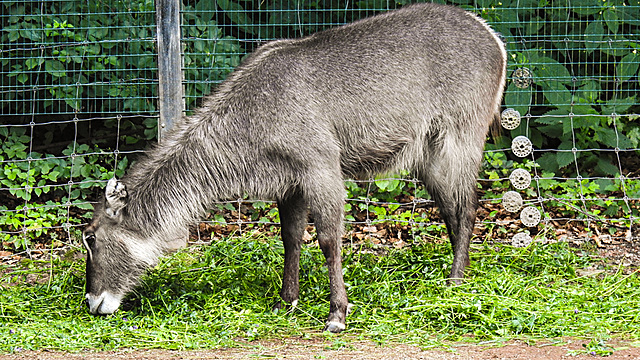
(221, 295)
(209, 54)
(105, 62)
(584, 62)
(395, 198)
(26, 223)
(30, 176)
(600, 198)
(592, 204)
(99, 57)
(38, 173)
(71, 57)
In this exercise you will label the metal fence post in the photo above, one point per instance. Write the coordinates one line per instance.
(170, 92)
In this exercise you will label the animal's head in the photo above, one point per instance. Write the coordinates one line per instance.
(116, 258)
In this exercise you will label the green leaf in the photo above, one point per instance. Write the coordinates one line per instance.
(22, 78)
(629, 14)
(380, 211)
(620, 47)
(55, 68)
(73, 103)
(553, 127)
(14, 35)
(612, 210)
(53, 176)
(33, 62)
(593, 35)
(235, 12)
(83, 206)
(585, 7)
(548, 162)
(91, 49)
(611, 19)
(199, 45)
(565, 158)
(608, 137)
(628, 66)
(613, 139)
(17, 70)
(11, 175)
(619, 106)
(206, 9)
(556, 93)
(45, 167)
(605, 166)
(533, 25)
(536, 137)
(31, 34)
(518, 99)
(75, 194)
(590, 91)
(220, 219)
(547, 69)
(387, 184)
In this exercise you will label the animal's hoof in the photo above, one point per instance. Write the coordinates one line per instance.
(334, 327)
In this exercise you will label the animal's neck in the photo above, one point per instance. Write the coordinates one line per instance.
(174, 185)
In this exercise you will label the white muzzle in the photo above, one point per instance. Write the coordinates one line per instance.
(104, 304)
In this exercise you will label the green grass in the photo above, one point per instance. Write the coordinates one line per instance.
(223, 293)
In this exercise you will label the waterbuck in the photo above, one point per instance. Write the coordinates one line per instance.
(416, 88)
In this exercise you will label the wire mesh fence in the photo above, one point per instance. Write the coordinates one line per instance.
(78, 96)
(80, 102)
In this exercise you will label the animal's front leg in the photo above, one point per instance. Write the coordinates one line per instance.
(293, 219)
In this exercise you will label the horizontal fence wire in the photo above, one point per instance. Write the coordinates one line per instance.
(80, 92)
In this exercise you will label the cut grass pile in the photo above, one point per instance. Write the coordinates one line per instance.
(222, 293)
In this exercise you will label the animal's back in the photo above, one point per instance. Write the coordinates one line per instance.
(377, 90)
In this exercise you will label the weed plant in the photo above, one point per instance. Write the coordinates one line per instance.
(221, 294)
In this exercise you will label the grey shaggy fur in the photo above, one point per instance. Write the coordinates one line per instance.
(415, 88)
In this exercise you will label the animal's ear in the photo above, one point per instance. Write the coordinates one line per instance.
(89, 241)
(115, 197)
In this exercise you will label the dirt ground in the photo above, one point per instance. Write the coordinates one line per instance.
(358, 350)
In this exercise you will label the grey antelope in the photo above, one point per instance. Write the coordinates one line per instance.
(416, 88)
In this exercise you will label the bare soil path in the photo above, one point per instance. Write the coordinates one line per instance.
(357, 350)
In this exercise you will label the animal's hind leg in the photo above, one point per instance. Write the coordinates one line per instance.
(451, 178)
(459, 213)
(293, 218)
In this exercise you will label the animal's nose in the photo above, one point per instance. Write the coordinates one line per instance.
(93, 302)
(105, 303)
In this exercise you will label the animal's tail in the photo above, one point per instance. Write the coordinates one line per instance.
(495, 129)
